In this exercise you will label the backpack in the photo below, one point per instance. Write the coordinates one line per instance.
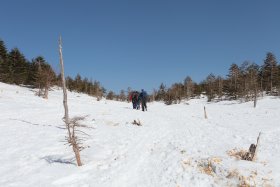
(144, 94)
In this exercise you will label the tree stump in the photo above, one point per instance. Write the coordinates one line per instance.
(251, 155)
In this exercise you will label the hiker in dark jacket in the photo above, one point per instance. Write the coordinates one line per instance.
(138, 102)
(143, 96)
(134, 98)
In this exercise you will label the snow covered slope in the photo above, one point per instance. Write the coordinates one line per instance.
(175, 146)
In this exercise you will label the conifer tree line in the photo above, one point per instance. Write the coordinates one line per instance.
(90, 87)
(245, 82)
(16, 69)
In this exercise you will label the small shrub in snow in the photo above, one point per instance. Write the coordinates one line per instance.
(137, 122)
(239, 154)
(207, 167)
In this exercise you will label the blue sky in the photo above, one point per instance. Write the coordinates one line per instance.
(140, 44)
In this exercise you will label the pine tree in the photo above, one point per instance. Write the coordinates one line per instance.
(254, 87)
(70, 83)
(4, 68)
(188, 87)
(97, 90)
(248, 81)
(210, 88)
(78, 83)
(161, 93)
(234, 76)
(220, 86)
(85, 85)
(269, 72)
(3, 51)
(110, 95)
(122, 95)
(278, 80)
(32, 74)
(243, 90)
(18, 67)
(48, 78)
(41, 75)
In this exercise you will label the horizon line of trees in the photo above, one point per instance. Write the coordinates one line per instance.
(246, 81)
(38, 73)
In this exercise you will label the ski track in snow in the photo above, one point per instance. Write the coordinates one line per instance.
(167, 150)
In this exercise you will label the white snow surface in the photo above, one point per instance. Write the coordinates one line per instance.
(175, 146)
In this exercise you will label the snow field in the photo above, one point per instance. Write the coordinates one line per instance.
(175, 146)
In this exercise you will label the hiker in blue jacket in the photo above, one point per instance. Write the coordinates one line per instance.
(143, 96)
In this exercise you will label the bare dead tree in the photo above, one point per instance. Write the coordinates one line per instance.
(48, 78)
(188, 87)
(205, 114)
(44, 77)
(72, 140)
(77, 135)
(39, 79)
(219, 86)
(255, 98)
(153, 97)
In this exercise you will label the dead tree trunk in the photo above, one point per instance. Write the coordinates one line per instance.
(47, 83)
(205, 114)
(255, 98)
(46, 92)
(40, 75)
(66, 114)
(251, 155)
(257, 148)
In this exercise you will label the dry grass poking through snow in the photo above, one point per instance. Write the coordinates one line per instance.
(223, 173)
(243, 181)
(208, 166)
(239, 154)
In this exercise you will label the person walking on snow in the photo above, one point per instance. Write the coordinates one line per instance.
(143, 96)
(134, 99)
